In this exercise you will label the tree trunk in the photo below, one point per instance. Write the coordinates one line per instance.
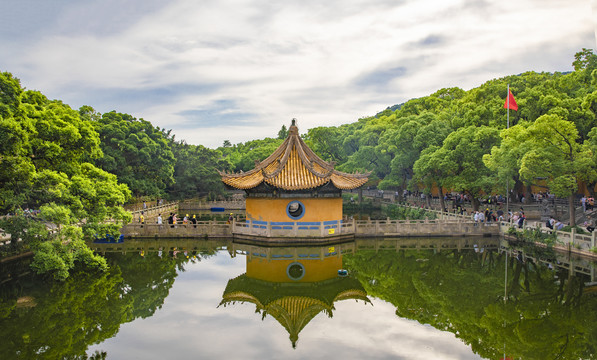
(475, 203)
(428, 199)
(441, 199)
(528, 195)
(572, 210)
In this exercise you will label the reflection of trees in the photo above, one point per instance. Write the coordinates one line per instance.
(146, 280)
(547, 315)
(60, 320)
(40, 319)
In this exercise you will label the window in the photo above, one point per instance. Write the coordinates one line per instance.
(295, 210)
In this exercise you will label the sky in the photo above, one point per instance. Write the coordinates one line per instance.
(239, 70)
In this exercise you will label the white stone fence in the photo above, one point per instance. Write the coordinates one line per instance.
(571, 240)
(201, 229)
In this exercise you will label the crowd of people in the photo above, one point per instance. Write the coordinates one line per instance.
(174, 219)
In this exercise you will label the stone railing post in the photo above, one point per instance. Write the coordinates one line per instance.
(593, 235)
(269, 229)
(321, 229)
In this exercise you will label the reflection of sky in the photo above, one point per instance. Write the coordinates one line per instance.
(190, 325)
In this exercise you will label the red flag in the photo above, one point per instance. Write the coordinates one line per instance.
(513, 104)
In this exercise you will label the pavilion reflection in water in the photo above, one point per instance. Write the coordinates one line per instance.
(293, 284)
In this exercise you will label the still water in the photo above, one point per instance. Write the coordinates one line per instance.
(401, 299)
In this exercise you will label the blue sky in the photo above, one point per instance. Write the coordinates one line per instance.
(239, 70)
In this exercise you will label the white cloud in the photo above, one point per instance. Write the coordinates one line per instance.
(323, 63)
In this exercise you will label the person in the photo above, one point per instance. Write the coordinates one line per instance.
(171, 218)
(174, 219)
(185, 220)
(521, 221)
(590, 227)
(481, 216)
(159, 222)
(583, 202)
(549, 224)
(194, 219)
(144, 205)
(230, 218)
(591, 202)
(142, 218)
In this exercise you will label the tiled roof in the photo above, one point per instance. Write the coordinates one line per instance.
(294, 166)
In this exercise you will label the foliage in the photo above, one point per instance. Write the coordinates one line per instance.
(397, 212)
(65, 252)
(196, 172)
(243, 156)
(46, 156)
(137, 152)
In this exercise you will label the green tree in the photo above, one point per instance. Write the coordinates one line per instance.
(556, 154)
(434, 167)
(196, 171)
(137, 152)
(466, 147)
(283, 133)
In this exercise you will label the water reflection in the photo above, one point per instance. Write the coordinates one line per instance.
(456, 286)
(293, 284)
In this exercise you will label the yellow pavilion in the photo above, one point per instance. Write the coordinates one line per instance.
(293, 192)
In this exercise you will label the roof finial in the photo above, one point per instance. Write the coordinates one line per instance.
(293, 122)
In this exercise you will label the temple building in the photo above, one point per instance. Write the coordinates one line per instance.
(293, 284)
(294, 190)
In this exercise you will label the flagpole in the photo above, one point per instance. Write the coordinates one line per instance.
(508, 179)
(508, 106)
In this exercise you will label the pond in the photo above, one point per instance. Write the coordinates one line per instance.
(397, 299)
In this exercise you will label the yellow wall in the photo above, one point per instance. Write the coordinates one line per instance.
(316, 209)
(275, 270)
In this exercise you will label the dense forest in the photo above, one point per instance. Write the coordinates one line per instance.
(76, 168)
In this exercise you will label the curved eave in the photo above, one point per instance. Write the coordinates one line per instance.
(348, 181)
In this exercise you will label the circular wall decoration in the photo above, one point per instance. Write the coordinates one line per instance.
(295, 271)
(295, 210)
